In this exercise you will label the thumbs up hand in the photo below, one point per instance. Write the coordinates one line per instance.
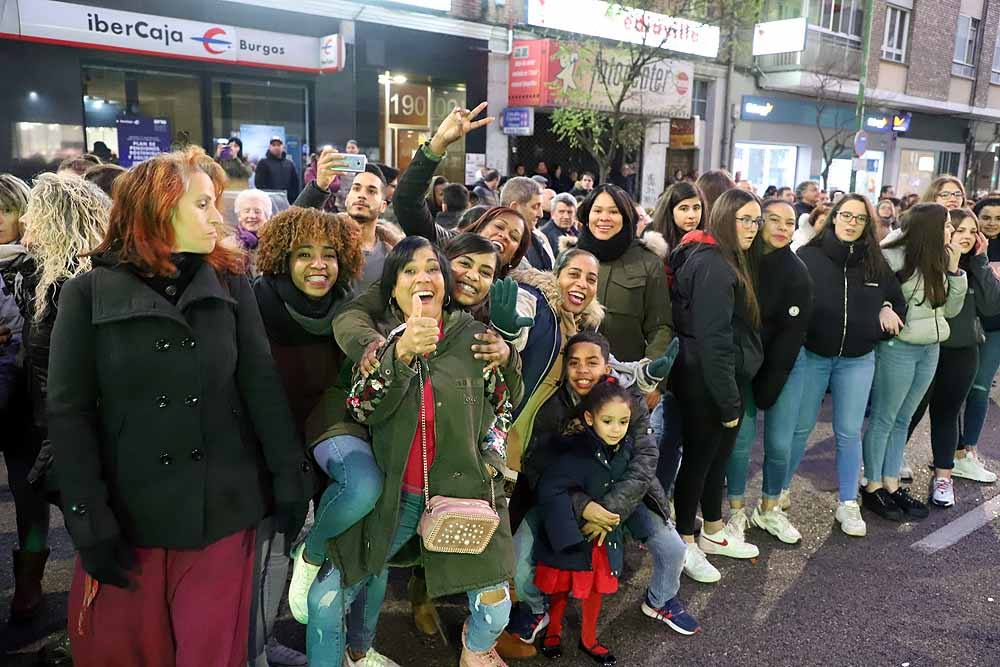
(420, 336)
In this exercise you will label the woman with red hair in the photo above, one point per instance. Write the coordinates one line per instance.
(172, 435)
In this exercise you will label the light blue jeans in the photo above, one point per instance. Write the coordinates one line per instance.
(355, 486)
(903, 372)
(978, 400)
(850, 381)
(328, 600)
(780, 421)
(524, 565)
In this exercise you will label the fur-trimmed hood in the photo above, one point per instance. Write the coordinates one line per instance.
(651, 241)
(546, 283)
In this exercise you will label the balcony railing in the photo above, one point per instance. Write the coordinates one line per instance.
(825, 52)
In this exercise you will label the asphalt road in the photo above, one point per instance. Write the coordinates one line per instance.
(831, 600)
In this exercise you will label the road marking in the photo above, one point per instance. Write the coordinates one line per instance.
(960, 527)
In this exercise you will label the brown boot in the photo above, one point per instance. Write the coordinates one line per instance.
(424, 612)
(29, 566)
(511, 646)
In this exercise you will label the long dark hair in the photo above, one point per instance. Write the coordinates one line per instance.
(875, 264)
(623, 203)
(402, 253)
(663, 216)
(712, 184)
(492, 214)
(924, 253)
(722, 227)
(470, 244)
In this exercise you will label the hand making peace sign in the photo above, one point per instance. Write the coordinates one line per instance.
(456, 125)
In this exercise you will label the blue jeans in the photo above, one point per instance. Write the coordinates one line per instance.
(669, 439)
(850, 381)
(355, 486)
(903, 372)
(325, 636)
(524, 562)
(780, 421)
(978, 400)
(667, 549)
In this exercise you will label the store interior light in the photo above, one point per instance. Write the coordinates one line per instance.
(98, 104)
(33, 96)
(398, 78)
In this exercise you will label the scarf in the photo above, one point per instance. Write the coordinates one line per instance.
(247, 238)
(613, 248)
(291, 317)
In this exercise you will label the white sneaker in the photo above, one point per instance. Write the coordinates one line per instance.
(697, 567)
(303, 576)
(724, 543)
(737, 525)
(849, 517)
(776, 522)
(969, 467)
(279, 654)
(372, 659)
(785, 500)
(943, 492)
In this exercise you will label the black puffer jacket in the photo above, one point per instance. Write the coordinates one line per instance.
(846, 304)
(711, 319)
(993, 254)
(984, 288)
(786, 303)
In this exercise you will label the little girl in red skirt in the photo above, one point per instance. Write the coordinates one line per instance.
(583, 562)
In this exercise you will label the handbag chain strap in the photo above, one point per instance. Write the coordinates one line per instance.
(423, 442)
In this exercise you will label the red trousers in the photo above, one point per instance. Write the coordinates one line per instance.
(186, 609)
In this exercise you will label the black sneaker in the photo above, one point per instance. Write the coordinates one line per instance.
(910, 505)
(881, 502)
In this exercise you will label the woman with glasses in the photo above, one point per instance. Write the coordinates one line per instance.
(717, 320)
(858, 304)
(959, 360)
(967, 463)
(945, 190)
(786, 306)
(925, 259)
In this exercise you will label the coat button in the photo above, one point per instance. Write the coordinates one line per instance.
(171, 290)
(197, 455)
(162, 401)
(161, 345)
(80, 509)
(166, 459)
(306, 467)
(191, 401)
(189, 343)
(236, 413)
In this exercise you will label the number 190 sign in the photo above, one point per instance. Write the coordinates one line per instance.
(409, 105)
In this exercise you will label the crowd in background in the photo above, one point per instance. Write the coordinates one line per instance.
(584, 373)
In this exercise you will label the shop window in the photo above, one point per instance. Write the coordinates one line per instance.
(113, 94)
(916, 171)
(766, 164)
(949, 162)
(255, 111)
(966, 37)
(897, 26)
(995, 73)
(699, 99)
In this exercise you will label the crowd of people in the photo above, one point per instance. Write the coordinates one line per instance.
(500, 390)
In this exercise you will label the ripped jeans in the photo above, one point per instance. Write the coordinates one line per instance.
(328, 601)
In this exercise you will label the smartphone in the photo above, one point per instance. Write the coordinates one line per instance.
(222, 142)
(353, 162)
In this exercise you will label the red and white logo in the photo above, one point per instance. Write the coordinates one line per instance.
(213, 41)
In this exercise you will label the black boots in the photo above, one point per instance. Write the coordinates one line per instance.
(29, 566)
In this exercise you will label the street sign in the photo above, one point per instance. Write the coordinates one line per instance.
(901, 122)
(775, 37)
(860, 142)
(518, 121)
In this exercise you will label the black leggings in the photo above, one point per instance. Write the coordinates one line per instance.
(956, 371)
(707, 446)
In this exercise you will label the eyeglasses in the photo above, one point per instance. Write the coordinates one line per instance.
(749, 222)
(860, 218)
(950, 194)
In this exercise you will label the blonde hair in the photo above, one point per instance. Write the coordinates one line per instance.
(67, 217)
(930, 194)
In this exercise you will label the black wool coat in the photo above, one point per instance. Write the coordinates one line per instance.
(169, 423)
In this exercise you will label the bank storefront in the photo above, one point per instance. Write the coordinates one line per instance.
(141, 83)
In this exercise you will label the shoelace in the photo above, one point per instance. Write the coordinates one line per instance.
(853, 512)
(902, 493)
(942, 485)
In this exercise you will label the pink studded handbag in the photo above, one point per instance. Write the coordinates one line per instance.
(453, 525)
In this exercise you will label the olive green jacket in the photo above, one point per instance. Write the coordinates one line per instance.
(463, 421)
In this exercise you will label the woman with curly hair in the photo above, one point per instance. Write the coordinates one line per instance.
(307, 260)
(172, 435)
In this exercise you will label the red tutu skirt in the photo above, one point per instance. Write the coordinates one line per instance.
(579, 583)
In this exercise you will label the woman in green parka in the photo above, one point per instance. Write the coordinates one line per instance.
(425, 364)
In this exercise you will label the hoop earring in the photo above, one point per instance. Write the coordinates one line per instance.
(447, 300)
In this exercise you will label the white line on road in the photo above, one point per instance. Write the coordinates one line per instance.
(960, 527)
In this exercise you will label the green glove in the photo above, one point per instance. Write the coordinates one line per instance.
(503, 308)
(660, 368)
